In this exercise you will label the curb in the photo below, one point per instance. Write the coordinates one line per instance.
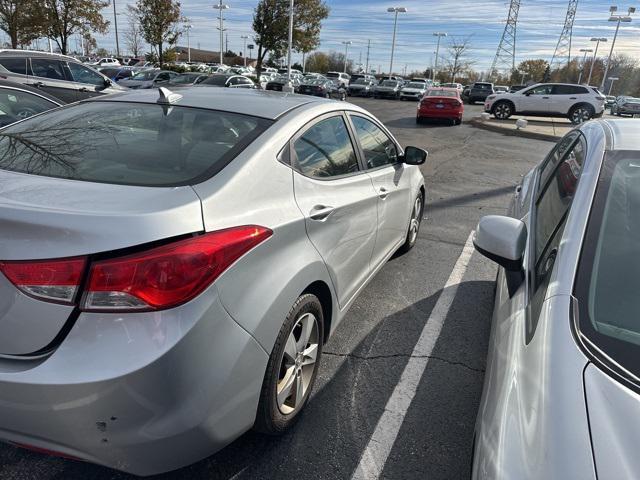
(478, 123)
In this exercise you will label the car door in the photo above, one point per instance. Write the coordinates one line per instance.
(337, 200)
(391, 182)
(52, 76)
(88, 82)
(563, 97)
(536, 99)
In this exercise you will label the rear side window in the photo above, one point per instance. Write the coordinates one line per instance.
(569, 90)
(325, 150)
(131, 144)
(15, 65)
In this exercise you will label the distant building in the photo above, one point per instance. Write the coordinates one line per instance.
(207, 56)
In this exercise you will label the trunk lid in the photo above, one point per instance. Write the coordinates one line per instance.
(47, 218)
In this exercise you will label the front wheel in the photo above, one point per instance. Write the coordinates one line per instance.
(414, 225)
(503, 110)
(292, 368)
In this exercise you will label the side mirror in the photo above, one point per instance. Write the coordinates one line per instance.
(107, 82)
(526, 94)
(415, 156)
(503, 240)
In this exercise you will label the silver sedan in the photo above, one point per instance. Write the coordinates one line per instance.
(172, 265)
(562, 388)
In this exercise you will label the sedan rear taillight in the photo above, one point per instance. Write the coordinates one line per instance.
(53, 280)
(168, 275)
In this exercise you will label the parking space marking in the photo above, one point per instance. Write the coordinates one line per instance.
(384, 436)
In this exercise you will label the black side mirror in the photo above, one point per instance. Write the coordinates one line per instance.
(414, 156)
(527, 93)
(107, 82)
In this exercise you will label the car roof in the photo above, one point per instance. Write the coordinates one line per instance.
(257, 103)
(34, 53)
(624, 133)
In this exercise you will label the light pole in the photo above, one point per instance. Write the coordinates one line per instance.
(614, 17)
(188, 27)
(435, 67)
(595, 56)
(288, 88)
(346, 52)
(612, 79)
(221, 7)
(584, 59)
(394, 10)
(244, 48)
(115, 24)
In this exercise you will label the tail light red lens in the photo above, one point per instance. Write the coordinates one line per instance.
(168, 275)
(54, 280)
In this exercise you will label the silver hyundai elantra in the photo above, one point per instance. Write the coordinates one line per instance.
(172, 264)
(561, 394)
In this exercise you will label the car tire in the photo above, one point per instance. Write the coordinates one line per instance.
(581, 113)
(418, 120)
(414, 224)
(458, 121)
(286, 377)
(502, 110)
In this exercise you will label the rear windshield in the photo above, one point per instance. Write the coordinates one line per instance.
(482, 86)
(128, 143)
(441, 93)
(332, 75)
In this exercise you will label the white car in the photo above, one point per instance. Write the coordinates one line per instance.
(578, 103)
(413, 91)
(457, 86)
(106, 62)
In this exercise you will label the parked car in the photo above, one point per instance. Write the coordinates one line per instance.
(189, 78)
(442, 104)
(516, 88)
(387, 89)
(413, 91)
(116, 73)
(316, 86)
(339, 78)
(609, 100)
(231, 81)
(59, 75)
(203, 253)
(106, 62)
(280, 81)
(456, 86)
(626, 106)
(561, 394)
(365, 76)
(362, 87)
(576, 102)
(479, 91)
(149, 79)
(500, 89)
(390, 77)
(18, 102)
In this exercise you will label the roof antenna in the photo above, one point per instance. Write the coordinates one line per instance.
(167, 97)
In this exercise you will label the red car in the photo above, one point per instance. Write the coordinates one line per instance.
(441, 103)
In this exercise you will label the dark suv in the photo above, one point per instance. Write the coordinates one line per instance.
(479, 92)
(59, 75)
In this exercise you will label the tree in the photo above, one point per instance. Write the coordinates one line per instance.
(336, 62)
(63, 18)
(530, 70)
(271, 24)
(158, 22)
(133, 36)
(318, 62)
(20, 20)
(457, 61)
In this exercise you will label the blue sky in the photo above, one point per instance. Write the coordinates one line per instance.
(539, 26)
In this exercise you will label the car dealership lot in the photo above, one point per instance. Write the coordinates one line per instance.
(469, 173)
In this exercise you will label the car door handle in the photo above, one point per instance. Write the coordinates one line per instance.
(573, 98)
(39, 84)
(547, 98)
(83, 89)
(383, 192)
(320, 212)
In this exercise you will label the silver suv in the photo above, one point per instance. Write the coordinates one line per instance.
(59, 75)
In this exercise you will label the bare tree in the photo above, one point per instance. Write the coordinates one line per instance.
(457, 61)
(133, 36)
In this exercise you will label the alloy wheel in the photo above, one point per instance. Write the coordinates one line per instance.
(502, 111)
(414, 226)
(297, 364)
(580, 114)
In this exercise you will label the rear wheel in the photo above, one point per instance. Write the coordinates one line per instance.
(292, 368)
(414, 225)
(418, 120)
(580, 114)
(502, 110)
(458, 121)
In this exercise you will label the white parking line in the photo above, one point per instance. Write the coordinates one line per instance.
(384, 436)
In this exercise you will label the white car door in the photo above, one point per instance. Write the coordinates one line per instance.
(391, 182)
(563, 97)
(536, 99)
(337, 199)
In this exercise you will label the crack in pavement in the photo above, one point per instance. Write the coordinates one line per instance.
(403, 355)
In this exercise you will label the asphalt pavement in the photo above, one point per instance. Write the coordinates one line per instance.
(469, 173)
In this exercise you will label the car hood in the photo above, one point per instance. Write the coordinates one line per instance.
(614, 421)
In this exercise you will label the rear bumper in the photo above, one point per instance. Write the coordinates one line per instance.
(440, 113)
(143, 393)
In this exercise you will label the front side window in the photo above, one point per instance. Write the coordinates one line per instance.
(541, 90)
(608, 278)
(46, 68)
(379, 149)
(122, 143)
(82, 74)
(325, 150)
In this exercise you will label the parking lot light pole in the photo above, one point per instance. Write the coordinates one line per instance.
(221, 7)
(611, 79)
(288, 87)
(595, 56)
(394, 10)
(346, 53)
(584, 59)
(614, 17)
(244, 48)
(115, 24)
(187, 28)
(435, 67)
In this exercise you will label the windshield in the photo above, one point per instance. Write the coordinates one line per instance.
(441, 93)
(145, 75)
(415, 85)
(314, 81)
(389, 83)
(219, 80)
(608, 278)
(127, 143)
(186, 78)
(332, 75)
(360, 81)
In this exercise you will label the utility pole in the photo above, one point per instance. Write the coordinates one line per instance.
(595, 56)
(368, 49)
(435, 67)
(226, 42)
(188, 27)
(244, 48)
(346, 53)
(288, 88)
(115, 24)
(584, 59)
(221, 7)
(615, 18)
(394, 10)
